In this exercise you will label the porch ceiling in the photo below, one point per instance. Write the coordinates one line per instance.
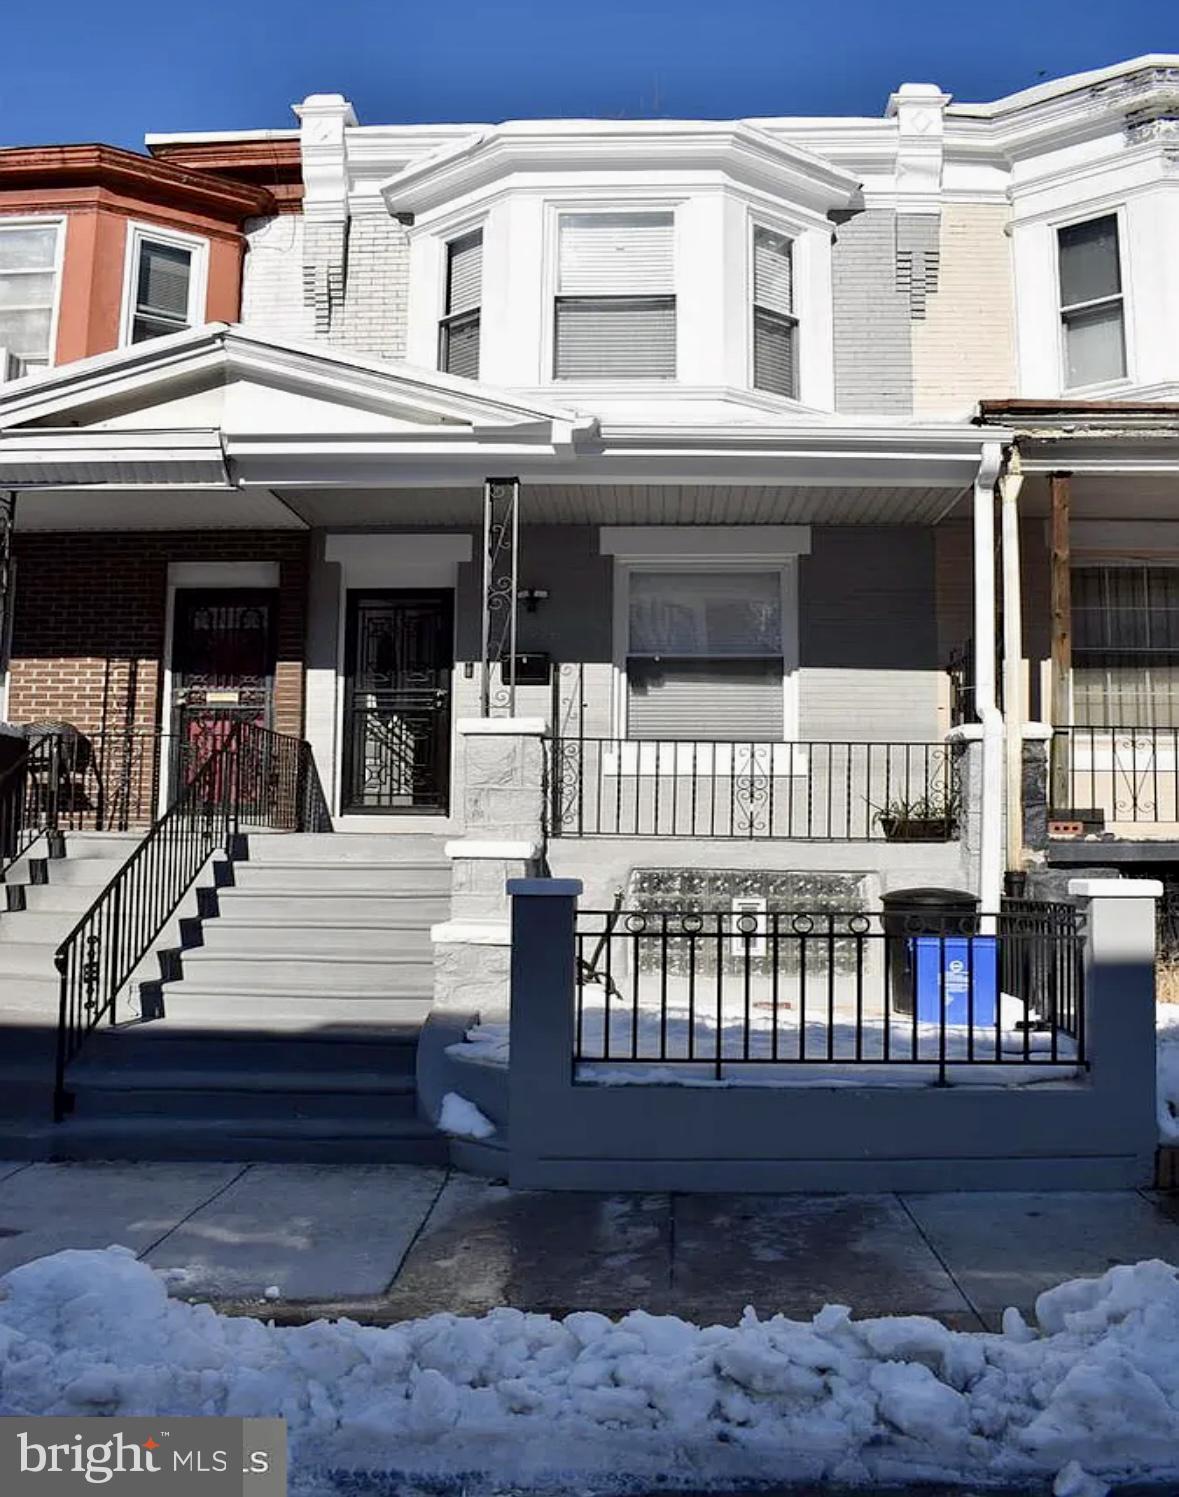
(153, 509)
(633, 504)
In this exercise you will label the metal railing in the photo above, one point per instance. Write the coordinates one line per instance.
(1122, 774)
(253, 778)
(713, 989)
(858, 792)
(30, 798)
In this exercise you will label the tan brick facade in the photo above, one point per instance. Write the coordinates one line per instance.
(964, 347)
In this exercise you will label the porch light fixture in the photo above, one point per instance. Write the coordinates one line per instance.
(533, 597)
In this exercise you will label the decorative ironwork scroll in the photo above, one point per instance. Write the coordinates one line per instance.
(501, 548)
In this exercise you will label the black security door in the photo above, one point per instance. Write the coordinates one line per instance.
(399, 659)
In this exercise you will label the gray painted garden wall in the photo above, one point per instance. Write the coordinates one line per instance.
(1097, 1132)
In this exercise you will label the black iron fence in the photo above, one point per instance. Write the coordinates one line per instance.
(714, 989)
(252, 778)
(860, 792)
(1110, 774)
(30, 796)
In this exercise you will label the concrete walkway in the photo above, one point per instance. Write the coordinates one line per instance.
(385, 1243)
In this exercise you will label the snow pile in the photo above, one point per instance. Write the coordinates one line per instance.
(531, 1401)
(463, 1118)
(1168, 1062)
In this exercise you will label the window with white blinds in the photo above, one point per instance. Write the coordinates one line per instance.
(1126, 646)
(615, 308)
(704, 655)
(1091, 302)
(28, 291)
(458, 332)
(775, 327)
(162, 288)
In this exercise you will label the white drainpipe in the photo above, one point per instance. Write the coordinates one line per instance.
(1013, 706)
(991, 719)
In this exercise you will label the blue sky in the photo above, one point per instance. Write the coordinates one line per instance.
(111, 70)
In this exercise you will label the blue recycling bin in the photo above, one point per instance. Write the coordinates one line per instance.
(950, 967)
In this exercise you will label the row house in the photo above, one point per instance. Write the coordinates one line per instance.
(761, 510)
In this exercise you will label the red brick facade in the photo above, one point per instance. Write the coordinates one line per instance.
(90, 621)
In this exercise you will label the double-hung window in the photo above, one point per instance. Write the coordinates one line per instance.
(458, 332)
(28, 292)
(705, 655)
(615, 306)
(1125, 646)
(775, 327)
(1092, 310)
(163, 287)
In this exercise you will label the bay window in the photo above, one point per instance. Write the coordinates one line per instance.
(458, 333)
(704, 655)
(28, 291)
(1092, 310)
(615, 313)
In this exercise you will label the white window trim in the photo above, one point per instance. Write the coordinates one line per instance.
(444, 242)
(706, 548)
(198, 280)
(40, 221)
(554, 210)
(1091, 214)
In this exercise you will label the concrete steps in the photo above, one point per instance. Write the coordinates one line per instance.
(291, 1029)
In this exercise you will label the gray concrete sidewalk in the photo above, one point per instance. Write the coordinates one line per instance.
(385, 1243)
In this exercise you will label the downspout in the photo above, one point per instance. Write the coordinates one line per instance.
(991, 802)
(1013, 703)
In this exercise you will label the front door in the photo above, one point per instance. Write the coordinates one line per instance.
(223, 656)
(399, 659)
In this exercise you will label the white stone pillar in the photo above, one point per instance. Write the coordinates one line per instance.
(502, 814)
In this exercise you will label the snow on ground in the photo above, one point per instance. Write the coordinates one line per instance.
(1091, 1389)
(463, 1118)
(1168, 1061)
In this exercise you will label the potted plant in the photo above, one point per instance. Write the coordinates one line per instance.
(930, 817)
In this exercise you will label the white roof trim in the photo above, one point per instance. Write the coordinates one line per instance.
(371, 384)
(1055, 88)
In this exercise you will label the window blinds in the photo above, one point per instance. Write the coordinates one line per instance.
(28, 283)
(615, 312)
(775, 361)
(464, 272)
(705, 656)
(1126, 646)
(161, 290)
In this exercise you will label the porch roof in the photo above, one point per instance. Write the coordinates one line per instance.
(344, 439)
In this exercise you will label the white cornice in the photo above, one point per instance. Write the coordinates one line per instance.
(321, 369)
(743, 152)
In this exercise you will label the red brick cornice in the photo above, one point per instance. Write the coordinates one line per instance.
(44, 169)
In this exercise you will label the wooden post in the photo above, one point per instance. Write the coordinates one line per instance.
(1062, 636)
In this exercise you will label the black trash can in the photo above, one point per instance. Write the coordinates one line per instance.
(921, 912)
(13, 744)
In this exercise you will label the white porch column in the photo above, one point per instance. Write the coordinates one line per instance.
(991, 719)
(503, 837)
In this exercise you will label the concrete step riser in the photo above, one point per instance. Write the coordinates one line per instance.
(36, 925)
(25, 959)
(90, 873)
(341, 879)
(324, 975)
(271, 1106)
(114, 846)
(344, 847)
(232, 936)
(367, 1017)
(393, 912)
(151, 1144)
(166, 1046)
(72, 899)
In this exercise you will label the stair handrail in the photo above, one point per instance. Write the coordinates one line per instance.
(255, 777)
